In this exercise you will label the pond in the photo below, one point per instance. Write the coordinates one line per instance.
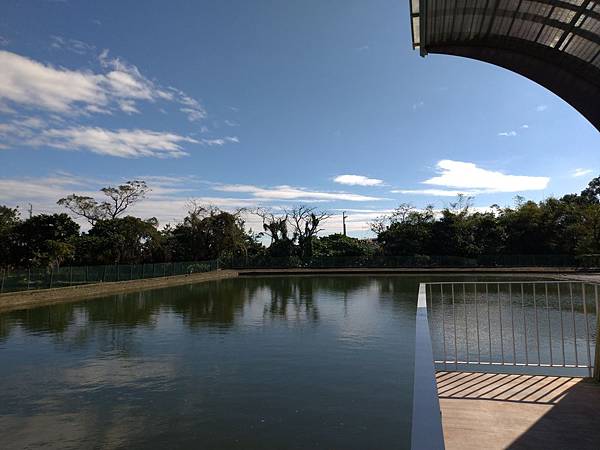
(248, 363)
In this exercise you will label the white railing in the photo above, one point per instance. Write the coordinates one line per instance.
(427, 430)
(551, 324)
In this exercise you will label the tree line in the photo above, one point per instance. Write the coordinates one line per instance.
(569, 225)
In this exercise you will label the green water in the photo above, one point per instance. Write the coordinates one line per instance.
(256, 363)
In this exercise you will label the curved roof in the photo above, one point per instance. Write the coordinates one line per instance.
(555, 43)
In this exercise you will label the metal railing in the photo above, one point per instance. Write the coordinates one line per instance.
(45, 278)
(388, 261)
(551, 324)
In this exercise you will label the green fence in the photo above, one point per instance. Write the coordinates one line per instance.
(379, 261)
(27, 279)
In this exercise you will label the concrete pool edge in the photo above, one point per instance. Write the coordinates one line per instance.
(11, 301)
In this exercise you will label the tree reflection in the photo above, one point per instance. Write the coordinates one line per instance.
(111, 321)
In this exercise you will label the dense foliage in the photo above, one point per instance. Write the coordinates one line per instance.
(566, 226)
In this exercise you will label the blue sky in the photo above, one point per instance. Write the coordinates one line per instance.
(268, 103)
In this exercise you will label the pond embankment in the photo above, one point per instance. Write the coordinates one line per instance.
(32, 299)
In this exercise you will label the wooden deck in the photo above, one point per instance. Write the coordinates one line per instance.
(502, 411)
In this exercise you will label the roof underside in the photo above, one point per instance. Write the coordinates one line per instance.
(553, 42)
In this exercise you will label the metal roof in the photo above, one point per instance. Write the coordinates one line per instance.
(555, 43)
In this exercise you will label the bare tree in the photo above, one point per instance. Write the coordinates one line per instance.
(305, 222)
(273, 226)
(120, 199)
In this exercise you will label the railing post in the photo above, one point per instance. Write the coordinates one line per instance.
(2, 282)
(597, 358)
(28, 277)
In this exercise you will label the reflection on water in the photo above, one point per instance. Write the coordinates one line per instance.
(279, 362)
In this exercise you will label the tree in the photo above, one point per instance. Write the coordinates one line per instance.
(305, 222)
(123, 240)
(273, 226)
(591, 194)
(45, 240)
(9, 219)
(338, 245)
(409, 231)
(120, 199)
(209, 233)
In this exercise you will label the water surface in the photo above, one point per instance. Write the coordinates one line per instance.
(256, 363)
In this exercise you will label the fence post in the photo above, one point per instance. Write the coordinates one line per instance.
(28, 277)
(86, 274)
(597, 356)
(2, 282)
(117, 272)
(70, 275)
(130, 272)
(51, 276)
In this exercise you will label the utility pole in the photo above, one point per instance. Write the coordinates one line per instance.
(30, 210)
(344, 217)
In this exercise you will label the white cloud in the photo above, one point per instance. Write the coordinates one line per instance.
(124, 143)
(292, 193)
(581, 172)
(357, 180)
(459, 177)
(525, 126)
(541, 108)
(121, 143)
(458, 174)
(511, 133)
(434, 192)
(29, 83)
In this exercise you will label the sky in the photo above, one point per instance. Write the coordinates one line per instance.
(245, 104)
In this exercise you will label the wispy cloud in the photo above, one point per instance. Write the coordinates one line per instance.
(123, 143)
(541, 108)
(418, 105)
(580, 172)
(357, 180)
(524, 126)
(35, 85)
(71, 45)
(467, 178)
(221, 141)
(511, 133)
(285, 192)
